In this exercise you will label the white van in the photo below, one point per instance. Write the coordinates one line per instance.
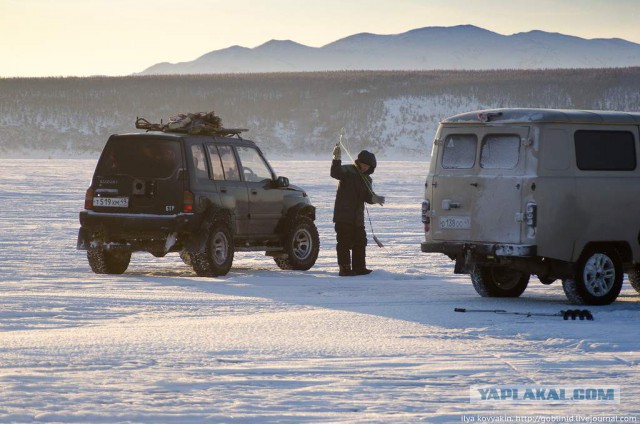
(554, 193)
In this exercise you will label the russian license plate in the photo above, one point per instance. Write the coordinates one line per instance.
(455, 222)
(111, 202)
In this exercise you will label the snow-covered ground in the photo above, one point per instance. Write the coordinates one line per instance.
(159, 344)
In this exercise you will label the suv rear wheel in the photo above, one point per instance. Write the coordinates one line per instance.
(216, 258)
(103, 261)
(597, 281)
(498, 281)
(301, 246)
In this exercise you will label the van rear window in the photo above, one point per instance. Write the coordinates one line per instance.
(500, 152)
(459, 151)
(605, 150)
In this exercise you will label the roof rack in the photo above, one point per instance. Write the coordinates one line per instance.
(200, 123)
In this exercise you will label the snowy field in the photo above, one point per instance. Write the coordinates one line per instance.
(161, 345)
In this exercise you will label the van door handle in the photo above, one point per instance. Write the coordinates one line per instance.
(448, 204)
(474, 184)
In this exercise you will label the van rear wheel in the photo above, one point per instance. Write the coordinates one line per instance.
(634, 277)
(597, 280)
(498, 281)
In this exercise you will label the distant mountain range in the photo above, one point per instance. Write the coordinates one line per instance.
(459, 47)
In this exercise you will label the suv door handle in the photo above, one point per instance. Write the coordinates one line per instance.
(223, 189)
(254, 191)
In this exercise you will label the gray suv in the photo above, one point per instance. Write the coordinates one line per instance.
(204, 196)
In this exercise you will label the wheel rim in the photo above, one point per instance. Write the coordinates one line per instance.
(599, 274)
(302, 243)
(506, 278)
(220, 246)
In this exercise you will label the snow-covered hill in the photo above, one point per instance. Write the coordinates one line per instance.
(260, 345)
(458, 47)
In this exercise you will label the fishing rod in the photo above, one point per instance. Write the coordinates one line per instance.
(572, 314)
(366, 183)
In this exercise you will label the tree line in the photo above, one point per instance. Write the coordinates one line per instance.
(392, 111)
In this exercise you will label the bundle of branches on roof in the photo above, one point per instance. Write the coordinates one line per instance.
(190, 123)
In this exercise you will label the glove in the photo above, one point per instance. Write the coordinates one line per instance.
(337, 154)
(378, 199)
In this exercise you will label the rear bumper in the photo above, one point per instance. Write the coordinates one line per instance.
(131, 229)
(455, 249)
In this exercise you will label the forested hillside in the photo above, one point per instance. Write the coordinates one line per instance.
(293, 114)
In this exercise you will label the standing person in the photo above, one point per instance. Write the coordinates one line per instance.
(354, 189)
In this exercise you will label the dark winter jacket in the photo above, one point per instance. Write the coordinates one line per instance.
(352, 193)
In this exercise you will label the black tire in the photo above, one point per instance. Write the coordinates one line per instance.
(217, 256)
(301, 246)
(598, 279)
(185, 255)
(103, 261)
(634, 277)
(498, 281)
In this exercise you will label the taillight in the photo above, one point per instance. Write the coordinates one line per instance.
(531, 219)
(88, 199)
(426, 220)
(187, 202)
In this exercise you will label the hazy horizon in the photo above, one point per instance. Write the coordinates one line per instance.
(118, 37)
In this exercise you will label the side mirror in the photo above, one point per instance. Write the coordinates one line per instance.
(282, 182)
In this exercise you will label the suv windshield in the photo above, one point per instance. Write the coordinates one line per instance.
(143, 159)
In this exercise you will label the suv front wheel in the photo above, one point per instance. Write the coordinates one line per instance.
(216, 258)
(301, 246)
(498, 281)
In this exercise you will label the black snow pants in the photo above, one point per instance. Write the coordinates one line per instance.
(351, 246)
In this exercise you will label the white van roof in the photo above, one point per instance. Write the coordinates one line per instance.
(524, 115)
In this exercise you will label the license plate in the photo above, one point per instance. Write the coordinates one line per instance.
(455, 222)
(111, 202)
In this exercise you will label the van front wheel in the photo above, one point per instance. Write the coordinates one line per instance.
(498, 281)
(597, 280)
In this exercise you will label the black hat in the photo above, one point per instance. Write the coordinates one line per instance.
(367, 158)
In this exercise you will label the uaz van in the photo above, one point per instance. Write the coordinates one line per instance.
(554, 193)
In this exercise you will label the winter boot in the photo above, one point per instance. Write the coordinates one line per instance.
(359, 261)
(344, 262)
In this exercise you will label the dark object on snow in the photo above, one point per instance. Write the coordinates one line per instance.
(572, 314)
(202, 123)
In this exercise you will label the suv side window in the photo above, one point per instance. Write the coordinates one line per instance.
(229, 163)
(199, 162)
(500, 151)
(605, 150)
(254, 169)
(216, 163)
(459, 151)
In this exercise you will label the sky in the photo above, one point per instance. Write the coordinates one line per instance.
(41, 38)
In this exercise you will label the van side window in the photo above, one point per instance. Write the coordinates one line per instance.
(199, 162)
(229, 163)
(500, 151)
(216, 163)
(605, 150)
(459, 151)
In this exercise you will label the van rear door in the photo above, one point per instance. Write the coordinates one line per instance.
(477, 184)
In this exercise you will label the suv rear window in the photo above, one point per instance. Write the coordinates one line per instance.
(605, 150)
(140, 158)
(459, 151)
